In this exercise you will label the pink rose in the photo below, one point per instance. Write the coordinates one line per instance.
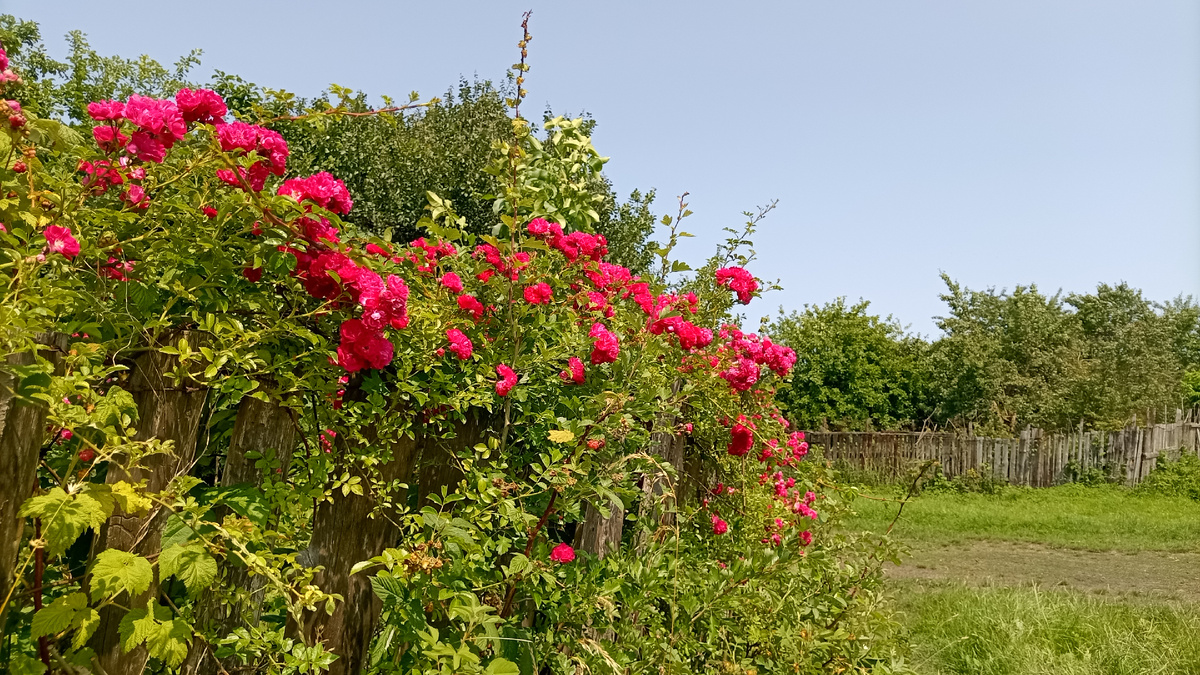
(563, 553)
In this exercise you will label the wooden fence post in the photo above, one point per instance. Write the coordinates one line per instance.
(22, 434)
(344, 533)
(167, 411)
(269, 429)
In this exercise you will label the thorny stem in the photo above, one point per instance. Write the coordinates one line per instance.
(39, 568)
(512, 589)
(515, 231)
(674, 238)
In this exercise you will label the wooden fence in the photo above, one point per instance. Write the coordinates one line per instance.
(1036, 458)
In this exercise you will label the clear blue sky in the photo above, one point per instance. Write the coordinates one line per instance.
(1003, 142)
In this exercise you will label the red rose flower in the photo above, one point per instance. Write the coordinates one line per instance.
(742, 439)
(60, 240)
(563, 553)
(460, 344)
(538, 294)
(574, 372)
(508, 380)
(452, 281)
(719, 526)
(605, 346)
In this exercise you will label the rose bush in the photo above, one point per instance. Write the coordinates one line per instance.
(271, 443)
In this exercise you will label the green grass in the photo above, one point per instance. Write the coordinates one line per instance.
(1070, 516)
(1025, 631)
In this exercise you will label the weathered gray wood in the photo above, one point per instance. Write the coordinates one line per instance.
(22, 434)
(1034, 458)
(167, 411)
(600, 534)
(346, 531)
(266, 428)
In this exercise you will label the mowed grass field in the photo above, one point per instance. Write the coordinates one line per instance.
(1068, 580)
(1094, 518)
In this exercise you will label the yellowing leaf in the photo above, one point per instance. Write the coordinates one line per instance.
(129, 499)
(561, 436)
(64, 517)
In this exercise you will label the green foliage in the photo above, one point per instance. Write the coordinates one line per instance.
(1006, 360)
(391, 162)
(66, 613)
(117, 572)
(1128, 351)
(165, 638)
(191, 564)
(1092, 476)
(65, 516)
(853, 371)
(1180, 478)
(956, 628)
(972, 481)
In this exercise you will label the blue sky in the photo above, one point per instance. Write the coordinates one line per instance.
(1003, 142)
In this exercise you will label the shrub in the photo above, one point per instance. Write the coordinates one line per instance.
(1180, 478)
(254, 426)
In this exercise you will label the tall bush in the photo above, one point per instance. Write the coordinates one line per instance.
(272, 443)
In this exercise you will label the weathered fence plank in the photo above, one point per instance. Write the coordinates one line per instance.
(1036, 458)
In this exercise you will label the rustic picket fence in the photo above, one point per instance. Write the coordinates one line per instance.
(1035, 458)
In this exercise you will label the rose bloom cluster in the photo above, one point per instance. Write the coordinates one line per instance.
(775, 456)
(142, 129)
(6, 73)
(747, 354)
(154, 126)
(740, 281)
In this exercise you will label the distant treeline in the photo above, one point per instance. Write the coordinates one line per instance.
(1005, 360)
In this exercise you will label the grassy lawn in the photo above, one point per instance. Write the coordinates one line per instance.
(1068, 580)
(1026, 631)
(1093, 518)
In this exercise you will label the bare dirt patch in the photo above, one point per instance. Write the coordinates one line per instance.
(1154, 574)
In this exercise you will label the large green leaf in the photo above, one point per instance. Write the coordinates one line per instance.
(165, 638)
(65, 516)
(191, 564)
(117, 571)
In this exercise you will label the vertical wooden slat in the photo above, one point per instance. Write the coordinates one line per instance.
(168, 411)
(22, 433)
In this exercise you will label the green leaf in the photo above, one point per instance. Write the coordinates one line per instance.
(191, 564)
(58, 615)
(65, 517)
(86, 624)
(55, 134)
(165, 638)
(502, 666)
(23, 664)
(116, 410)
(116, 571)
(177, 531)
